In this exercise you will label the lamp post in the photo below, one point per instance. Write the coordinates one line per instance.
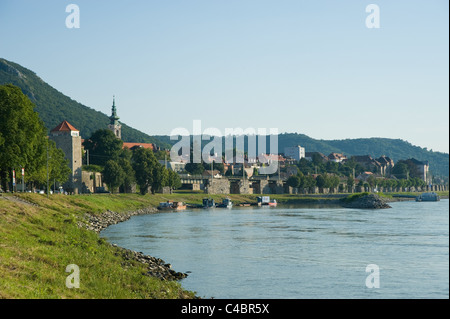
(48, 183)
(23, 181)
(48, 192)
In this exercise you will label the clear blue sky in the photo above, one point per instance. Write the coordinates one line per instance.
(311, 67)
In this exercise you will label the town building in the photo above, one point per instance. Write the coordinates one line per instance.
(297, 152)
(132, 146)
(174, 166)
(368, 163)
(337, 157)
(311, 155)
(68, 139)
(387, 164)
(422, 169)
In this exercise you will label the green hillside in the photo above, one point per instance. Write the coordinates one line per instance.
(396, 149)
(54, 107)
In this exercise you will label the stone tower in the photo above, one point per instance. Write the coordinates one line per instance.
(114, 124)
(68, 139)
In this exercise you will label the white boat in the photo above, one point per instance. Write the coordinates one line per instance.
(273, 203)
(226, 203)
(428, 197)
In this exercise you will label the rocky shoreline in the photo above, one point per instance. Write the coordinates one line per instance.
(99, 222)
(156, 267)
(371, 201)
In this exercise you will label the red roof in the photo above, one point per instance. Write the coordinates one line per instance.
(144, 145)
(65, 127)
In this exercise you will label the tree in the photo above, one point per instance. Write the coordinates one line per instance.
(59, 170)
(129, 176)
(113, 175)
(400, 170)
(22, 134)
(294, 181)
(103, 146)
(144, 162)
(160, 177)
(322, 181)
(173, 180)
(125, 158)
(194, 168)
(372, 181)
(309, 182)
(350, 182)
(305, 166)
(333, 181)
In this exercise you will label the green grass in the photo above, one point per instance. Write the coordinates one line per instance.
(37, 243)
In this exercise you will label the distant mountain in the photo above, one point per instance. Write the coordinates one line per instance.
(54, 107)
(396, 149)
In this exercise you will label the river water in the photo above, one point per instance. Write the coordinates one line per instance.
(299, 251)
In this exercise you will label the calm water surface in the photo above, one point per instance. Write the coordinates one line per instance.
(299, 252)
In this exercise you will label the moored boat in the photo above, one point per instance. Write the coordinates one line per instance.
(166, 205)
(179, 206)
(208, 203)
(226, 203)
(428, 197)
(273, 203)
(266, 201)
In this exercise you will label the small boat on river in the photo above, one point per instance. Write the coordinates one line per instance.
(266, 201)
(166, 205)
(179, 206)
(208, 203)
(169, 205)
(428, 197)
(226, 203)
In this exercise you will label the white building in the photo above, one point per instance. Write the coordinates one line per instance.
(174, 166)
(296, 152)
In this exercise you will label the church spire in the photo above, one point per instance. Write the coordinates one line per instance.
(114, 124)
(114, 118)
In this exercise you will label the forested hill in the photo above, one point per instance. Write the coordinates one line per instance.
(54, 107)
(396, 149)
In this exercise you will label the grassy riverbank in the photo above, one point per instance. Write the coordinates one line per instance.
(38, 242)
(39, 237)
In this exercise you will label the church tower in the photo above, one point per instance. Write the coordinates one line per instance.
(68, 139)
(114, 124)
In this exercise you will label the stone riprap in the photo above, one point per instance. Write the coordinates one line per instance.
(371, 201)
(99, 222)
(156, 267)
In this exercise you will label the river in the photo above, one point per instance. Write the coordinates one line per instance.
(300, 251)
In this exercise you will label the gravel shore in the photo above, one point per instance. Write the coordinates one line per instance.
(156, 267)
